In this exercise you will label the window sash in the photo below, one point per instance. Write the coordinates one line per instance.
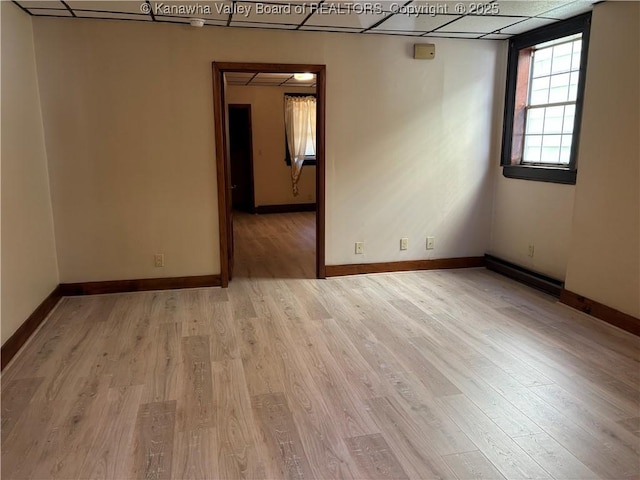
(517, 108)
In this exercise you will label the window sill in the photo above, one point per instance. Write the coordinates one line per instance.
(311, 161)
(540, 174)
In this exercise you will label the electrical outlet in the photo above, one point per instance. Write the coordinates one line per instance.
(431, 243)
(158, 259)
(404, 243)
(359, 247)
(531, 250)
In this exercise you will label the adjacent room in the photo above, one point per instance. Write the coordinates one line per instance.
(271, 193)
(318, 239)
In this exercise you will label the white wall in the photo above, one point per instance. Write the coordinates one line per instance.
(29, 269)
(272, 176)
(533, 213)
(604, 258)
(129, 122)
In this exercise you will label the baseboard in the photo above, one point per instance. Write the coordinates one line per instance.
(30, 325)
(288, 208)
(139, 285)
(524, 275)
(607, 314)
(405, 266)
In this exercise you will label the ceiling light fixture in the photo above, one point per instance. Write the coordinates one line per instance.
(303, 76)
(196, 22)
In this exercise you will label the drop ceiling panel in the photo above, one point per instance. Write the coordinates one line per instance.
(112, 15)
(109, 6)
(479, 24)
(42, 4)
(271, 13)
(433, 8)
(279, 26)
(406, 33)
(449, 35)
(496, 36)
(239, 76)
(187, 21)
(570, 10)
(421, 23)
(300, 83)
(529, 8)
(527, 25)
(345, 18)
(51, 11)
(218, 10)
(274, 76)
(313, 28)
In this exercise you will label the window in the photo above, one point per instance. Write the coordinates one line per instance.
(310, 148)
(543, 107)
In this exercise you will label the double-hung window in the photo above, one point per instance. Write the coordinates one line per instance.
(545, 85)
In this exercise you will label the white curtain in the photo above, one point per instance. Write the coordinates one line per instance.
(300, 124)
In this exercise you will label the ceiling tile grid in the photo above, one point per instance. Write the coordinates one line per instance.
(490, 20)
(267, 80)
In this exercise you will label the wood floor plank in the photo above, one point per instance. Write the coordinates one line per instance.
(606, 456)
(281, 436)
(472, 466)
(258, 359)
(161, 379)
(195, 385)
(153, 445)
(16, 396)
(325, 449)
(554, 458)
(585, 416)
(375, 457)
(224, 338)
(238, 452)
(195, 455)
(73, 431)
(110, 456)
(410, 445)
(631, 424)
(498, 447)
(512, 421)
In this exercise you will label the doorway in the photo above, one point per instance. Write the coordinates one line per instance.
(223, 152)
(241, 158)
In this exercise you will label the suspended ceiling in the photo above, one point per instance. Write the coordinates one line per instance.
(495, 20)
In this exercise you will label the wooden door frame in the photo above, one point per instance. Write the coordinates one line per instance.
(222, 160)
(247, 106)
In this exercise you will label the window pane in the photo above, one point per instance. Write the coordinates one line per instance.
(559, 90)
(553, 120)
(539, 91)
(542, 62)
(550, 149)
(573, 86)
(565, 150)
(569, 114)
(311, 149)
(577, 51)
(535, 120)
(562, 58)
(532, 144)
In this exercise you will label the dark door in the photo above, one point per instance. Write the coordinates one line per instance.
(241, 158)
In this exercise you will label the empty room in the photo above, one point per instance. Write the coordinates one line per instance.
(320, 239)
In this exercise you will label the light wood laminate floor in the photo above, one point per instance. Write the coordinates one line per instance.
(440, 374)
